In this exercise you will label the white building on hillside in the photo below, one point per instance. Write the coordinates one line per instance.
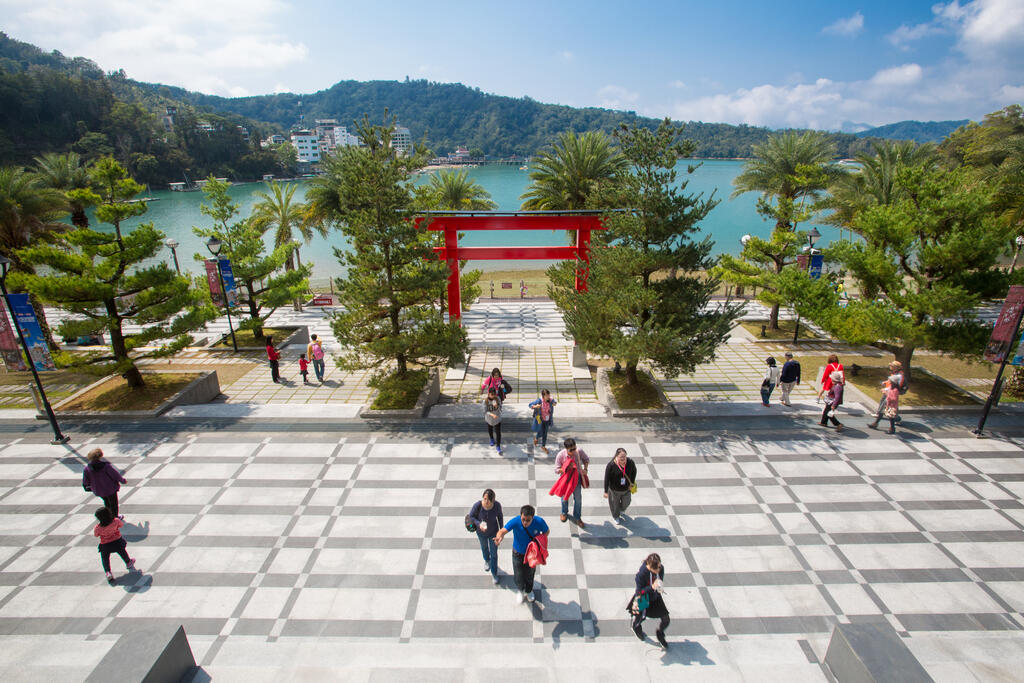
(401, 140)
(306, 144)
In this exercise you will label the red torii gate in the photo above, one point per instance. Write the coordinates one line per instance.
(453, 222)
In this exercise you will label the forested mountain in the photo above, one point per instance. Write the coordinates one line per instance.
(53, 103)
(453, 115)
(918, 131)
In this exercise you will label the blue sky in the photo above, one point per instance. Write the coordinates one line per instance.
(780, 63)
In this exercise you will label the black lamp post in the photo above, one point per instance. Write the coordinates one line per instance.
(213, 244)
(5, 263)
(812, 237)
(172, 244)
(743, 244)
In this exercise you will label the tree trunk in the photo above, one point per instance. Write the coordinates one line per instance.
(132, 374)
(773, 318)
(631, 377)
(904, 354)
(254, 311)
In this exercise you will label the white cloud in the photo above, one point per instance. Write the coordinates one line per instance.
(566, 55)
(213, 47)
(850, 26)
(617, 97)
(1012, 93)
(906, 74)
(677, 84)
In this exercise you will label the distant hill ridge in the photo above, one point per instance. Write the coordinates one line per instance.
(52, 101)
(918, 131)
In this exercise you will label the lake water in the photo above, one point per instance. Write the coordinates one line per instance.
(176, 212)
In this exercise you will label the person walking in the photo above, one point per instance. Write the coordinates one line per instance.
(315, 353)
(896, 377)
(789, 377)
(109, 532)
(647, 601)
(833, 399)
(274, 356)
(524, 528)
(304, 368)
(771, 378)
(571, 464)
(543, 417)
(103, 480)
(498, 383)
(890, 403)
(492, 416)
(619, 483)
(826, 376)
(486, 515)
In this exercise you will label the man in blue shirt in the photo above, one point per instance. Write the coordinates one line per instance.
(789, 377)
(523, 528)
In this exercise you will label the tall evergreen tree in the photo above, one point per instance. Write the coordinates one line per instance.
(920, 264)
(99, 276)
(647, 296)
(390, 322)
(255, 271)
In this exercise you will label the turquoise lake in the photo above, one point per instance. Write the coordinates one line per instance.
(176, 212)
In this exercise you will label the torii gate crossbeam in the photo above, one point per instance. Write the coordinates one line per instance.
(452, 223)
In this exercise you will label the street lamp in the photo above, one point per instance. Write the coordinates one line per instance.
(1018, 242)
(213, 244)
(172, 244)
(5, 263)
(743, 242)
(812, 237)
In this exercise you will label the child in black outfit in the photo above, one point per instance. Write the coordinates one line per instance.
(109, 532)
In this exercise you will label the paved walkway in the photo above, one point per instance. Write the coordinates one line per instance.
(328, 552)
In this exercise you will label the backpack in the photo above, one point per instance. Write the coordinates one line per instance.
(903, 384)
(504, 389)
(318, 351)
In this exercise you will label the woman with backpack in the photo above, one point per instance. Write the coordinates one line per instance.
(495, 381)
(486, 517)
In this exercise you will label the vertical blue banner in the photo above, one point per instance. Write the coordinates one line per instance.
(817, 260)
(229, 282)
(25, 317)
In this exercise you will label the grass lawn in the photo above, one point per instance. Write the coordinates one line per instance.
(114, 394)
(784, 332)
(643, 395)
(247, 338)
(58, 384)
(536, 283)
(395, 393)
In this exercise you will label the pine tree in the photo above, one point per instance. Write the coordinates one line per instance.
(390, 321)
(256, 272)
(100, 277)
(647, 298)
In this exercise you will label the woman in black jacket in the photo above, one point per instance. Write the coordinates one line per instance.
(649, 584)
(619, 477)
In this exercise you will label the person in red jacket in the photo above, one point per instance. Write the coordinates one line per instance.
(273, 355)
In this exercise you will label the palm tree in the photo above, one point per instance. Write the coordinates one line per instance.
(455, 190)
(29, 212)
(277, 210)
(66, 172)
(565, 174)
(872, 184)
(789, 167)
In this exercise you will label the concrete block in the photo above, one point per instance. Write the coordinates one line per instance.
(872, 653)
(149, 655)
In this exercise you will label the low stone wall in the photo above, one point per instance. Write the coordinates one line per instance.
(299, 336)
(203, 389)
(607, 398)
(428, 397)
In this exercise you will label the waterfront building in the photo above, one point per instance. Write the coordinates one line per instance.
(401, 140)
(307, 145)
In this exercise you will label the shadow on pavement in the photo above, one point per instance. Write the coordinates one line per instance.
(135, 532)
(686, 653)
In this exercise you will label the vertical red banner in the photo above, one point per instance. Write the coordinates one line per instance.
(1003, 332)
(213, 278)
(10, 349)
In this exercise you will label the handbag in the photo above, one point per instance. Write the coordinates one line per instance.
(640, 603)
(632, 484)
(470, 527)
(537, 550)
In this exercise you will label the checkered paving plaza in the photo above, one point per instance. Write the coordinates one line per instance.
(330, 551)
